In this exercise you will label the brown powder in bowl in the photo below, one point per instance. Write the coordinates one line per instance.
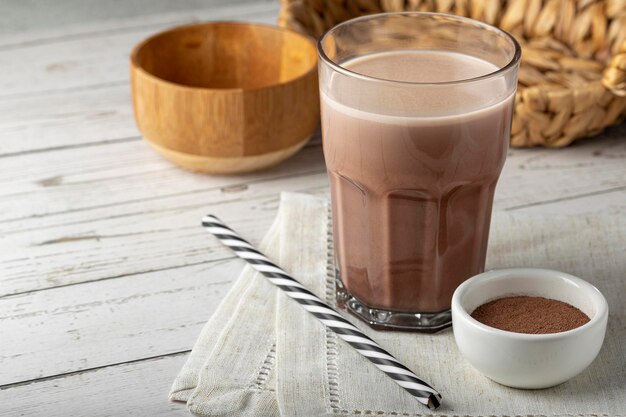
(534, 315)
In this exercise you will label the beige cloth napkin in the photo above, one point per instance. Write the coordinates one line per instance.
(262, 355)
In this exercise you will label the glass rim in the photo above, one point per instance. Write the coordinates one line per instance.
(485, 26)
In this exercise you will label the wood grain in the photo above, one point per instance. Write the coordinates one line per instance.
(213, 9)
(106, 392)
(108, 243)
(68, 329)
(74, 179)
(99, 115)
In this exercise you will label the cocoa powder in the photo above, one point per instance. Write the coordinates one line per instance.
(534, 315)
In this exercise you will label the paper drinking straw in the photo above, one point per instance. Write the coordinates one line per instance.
(362, 343)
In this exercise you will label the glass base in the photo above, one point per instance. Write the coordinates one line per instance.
(390, 320)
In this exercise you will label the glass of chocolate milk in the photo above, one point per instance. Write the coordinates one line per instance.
(416, 117)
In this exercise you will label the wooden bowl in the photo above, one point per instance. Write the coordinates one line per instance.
(225, 97)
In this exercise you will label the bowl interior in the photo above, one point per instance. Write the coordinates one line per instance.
(226, 55)
(532, 282)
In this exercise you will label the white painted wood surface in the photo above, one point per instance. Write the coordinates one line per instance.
(105, 276)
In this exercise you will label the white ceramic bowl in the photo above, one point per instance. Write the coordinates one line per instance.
(528, 360)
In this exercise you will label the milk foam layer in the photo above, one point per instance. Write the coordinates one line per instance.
(419, 84)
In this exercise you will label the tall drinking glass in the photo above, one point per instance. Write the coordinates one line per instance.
(416, 117)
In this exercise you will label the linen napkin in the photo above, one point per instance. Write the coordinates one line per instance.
(228, 371)
(289, 364)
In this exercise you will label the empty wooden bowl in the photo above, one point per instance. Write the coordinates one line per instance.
(226, 97)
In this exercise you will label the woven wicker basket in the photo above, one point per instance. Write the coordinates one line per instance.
(572, 79)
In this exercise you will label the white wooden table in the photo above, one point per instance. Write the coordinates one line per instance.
(105, 275)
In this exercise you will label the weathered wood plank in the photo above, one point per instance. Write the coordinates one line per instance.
(541, 176)
(97, 115)
(610, 202)
(135, 390)
(216, 9)
(78, 62)
(69, 329)
(140, 237)
(53, 183)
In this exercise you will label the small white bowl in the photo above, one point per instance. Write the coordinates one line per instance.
(529, 361)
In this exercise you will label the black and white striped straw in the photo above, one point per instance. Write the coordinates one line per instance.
(362, 343)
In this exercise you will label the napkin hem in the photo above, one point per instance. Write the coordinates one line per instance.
(263, 372)
(332, 370)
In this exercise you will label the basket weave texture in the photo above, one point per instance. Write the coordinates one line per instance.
(572, 78)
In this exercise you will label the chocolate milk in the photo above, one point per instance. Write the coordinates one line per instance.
(411, 195)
